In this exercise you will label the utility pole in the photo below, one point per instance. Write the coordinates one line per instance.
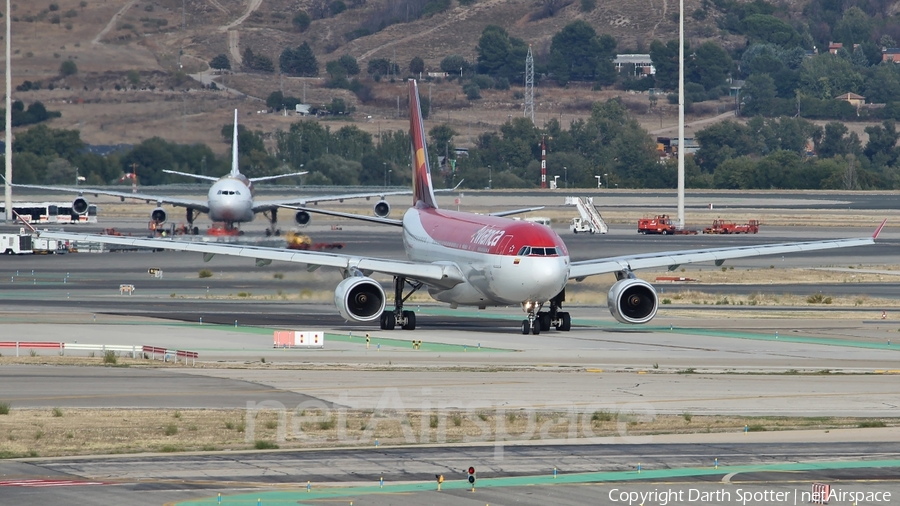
(7, 194)
(680, 223)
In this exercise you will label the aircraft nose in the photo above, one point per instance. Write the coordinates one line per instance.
(547, 278)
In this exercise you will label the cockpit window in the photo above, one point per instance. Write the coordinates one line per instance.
(537, 252)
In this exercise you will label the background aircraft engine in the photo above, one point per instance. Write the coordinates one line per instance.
(302, 218)
(359, 299)
(79, 205)
(382, 209)
(633, 301)
(158, 215)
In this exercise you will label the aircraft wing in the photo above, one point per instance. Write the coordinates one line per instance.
(671, 259)
(361, 217)
(446, 275)
(302, 202)
(267, 205)
(516, 211)
(200, 205)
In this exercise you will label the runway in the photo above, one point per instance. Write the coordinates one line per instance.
(768, 365)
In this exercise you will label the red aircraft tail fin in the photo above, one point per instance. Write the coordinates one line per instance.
(423, 191)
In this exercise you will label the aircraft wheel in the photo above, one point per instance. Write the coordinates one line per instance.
(526, 327)
(565, 322)
(387, 321)
(536, 326)
(268, 232)
(196, 231)
(277, 231)
(410, 317)
(544, 318)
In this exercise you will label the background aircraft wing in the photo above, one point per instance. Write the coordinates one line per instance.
(444, 275)
(516, 211)
(361, 217)
(267, 205)
(200, 205)
(672, 259)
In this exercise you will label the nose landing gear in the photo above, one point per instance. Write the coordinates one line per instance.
(533, 323)
(539, 321)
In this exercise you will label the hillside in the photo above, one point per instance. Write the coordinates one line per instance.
(108, 39)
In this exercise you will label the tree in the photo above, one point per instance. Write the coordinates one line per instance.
(854, 27)
(275, 101)
(299, 62)
(882, 141)
(493, 48)
(350, 65)
(379, 66)
(766, 28)
(220, 62)
(455, 64)
(836, 142)
(710, 65)
(664, 57)
(441, 138)
(577, 53)
(301, 21)
(883, 86)
(826, 76)
(416, 65)
(757, 94)
(257, 61)
(68, 68)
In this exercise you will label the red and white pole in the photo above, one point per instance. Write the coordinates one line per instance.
(543, 162)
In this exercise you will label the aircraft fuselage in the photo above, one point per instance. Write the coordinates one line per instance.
(230, 200)
(504, 261)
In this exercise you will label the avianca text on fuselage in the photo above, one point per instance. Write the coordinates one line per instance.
(487, 236)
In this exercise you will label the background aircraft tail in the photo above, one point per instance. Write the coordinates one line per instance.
(234, 148)
(423, 191)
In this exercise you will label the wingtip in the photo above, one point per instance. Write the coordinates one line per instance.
(879, 229)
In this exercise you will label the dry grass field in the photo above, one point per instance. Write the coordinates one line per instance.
(66, 432)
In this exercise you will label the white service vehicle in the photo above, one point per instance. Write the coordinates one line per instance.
(580, 225)
(15, 244)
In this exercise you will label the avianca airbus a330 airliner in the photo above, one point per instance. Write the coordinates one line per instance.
(467, 259)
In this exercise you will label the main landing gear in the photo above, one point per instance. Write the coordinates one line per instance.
(542, 320)
(191, 216)
(398, 317)
(272, 215)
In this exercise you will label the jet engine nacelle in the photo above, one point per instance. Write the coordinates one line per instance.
(633, 301)
(359, 299)
(382, 209)
(302, 218)
(80, 205)
(158, 215)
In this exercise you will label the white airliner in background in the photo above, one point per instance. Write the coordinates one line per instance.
(467, 259)
(230, 199)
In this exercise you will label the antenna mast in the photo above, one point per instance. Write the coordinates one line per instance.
(529, 85)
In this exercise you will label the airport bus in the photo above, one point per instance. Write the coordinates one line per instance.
(51, 212)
